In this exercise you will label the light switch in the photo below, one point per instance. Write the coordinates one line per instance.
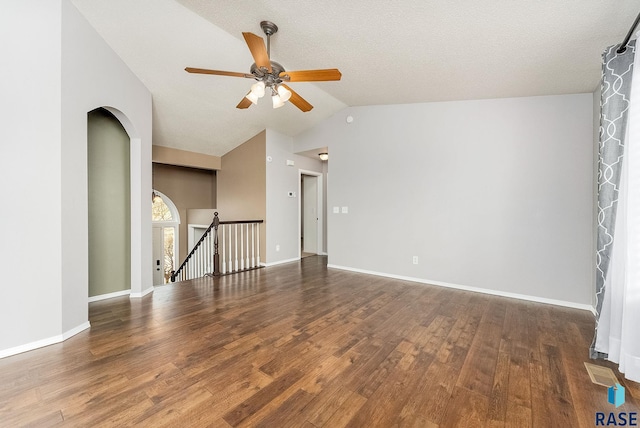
(345, 210)
(336, 210)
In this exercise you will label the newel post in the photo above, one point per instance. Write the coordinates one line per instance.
(216, 256)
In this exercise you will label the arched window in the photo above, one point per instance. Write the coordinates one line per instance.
(166, 219)
(161, 211)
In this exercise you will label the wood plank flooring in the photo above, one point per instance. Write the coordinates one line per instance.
(298, 345)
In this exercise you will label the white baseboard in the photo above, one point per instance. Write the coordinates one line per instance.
(281, 262)
(323, 253)
(473, 289)
(44, 342)
(76, 330)
(109, 295)
(121, 293)
(142, 294)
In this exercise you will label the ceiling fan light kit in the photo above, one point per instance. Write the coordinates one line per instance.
(269, 74)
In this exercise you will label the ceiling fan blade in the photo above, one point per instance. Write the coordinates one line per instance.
(258, 50)
(298, 101)
(245, 103)
(218, 72)
(311, 75)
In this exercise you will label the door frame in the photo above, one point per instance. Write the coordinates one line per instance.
(175, 223)
(320, 207)
(191, 234)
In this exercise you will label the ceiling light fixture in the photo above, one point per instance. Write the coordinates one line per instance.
(257, 91)
(271, 75)
(324, 156)
(284, 93)
(277, 101)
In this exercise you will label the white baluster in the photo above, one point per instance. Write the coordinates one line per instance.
(207, 248)
(258, 244)
(236, 242)
(247, 264)
(210, 251)
(230, 230)
(223, 266)
(208, 257)
(241, 247)
(253, 245)
(229, 249)
(196, 265)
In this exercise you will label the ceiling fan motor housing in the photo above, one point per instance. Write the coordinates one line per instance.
(269, 79)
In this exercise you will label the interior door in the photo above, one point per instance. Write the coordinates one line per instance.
(158, 256)
(310, 214)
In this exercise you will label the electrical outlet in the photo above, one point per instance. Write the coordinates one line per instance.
(336, 210)
(278, 247)
(415, 260)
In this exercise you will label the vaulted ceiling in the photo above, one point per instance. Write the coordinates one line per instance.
(389, 52)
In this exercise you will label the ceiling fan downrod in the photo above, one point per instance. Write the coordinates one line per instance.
(269, 28)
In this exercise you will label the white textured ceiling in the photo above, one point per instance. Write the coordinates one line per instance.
(389, 52)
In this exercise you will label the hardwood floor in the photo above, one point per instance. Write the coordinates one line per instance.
(302, 346)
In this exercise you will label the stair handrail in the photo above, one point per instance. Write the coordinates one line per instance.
(216, 257)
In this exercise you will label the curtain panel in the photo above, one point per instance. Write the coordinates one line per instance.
(618, 215)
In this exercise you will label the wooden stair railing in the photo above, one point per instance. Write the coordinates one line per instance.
(225, 247)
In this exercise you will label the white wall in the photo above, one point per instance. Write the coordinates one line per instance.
(61, 69)
(94, 76)
(30, 169)
(282, 211)
(492, 194)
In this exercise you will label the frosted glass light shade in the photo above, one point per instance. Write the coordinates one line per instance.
(277, 101)
(284, 93)
(258, 89)
(252, 97)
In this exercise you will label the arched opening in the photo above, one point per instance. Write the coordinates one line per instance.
(109, 205)
(166, 221)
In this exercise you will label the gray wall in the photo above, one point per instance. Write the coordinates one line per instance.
(282, 211)
(490, 194)
(109, 204)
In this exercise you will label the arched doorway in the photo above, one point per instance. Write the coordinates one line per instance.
(109, 205)
(166, 221)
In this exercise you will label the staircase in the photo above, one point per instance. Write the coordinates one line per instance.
(226, 247)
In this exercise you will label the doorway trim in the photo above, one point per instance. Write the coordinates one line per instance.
(140, 173)
(191, 234)
(321, 210)
(174, 223)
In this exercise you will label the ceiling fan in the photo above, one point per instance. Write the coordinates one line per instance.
(270, 75)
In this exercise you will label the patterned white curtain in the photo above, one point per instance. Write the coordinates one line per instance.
(618, 244)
